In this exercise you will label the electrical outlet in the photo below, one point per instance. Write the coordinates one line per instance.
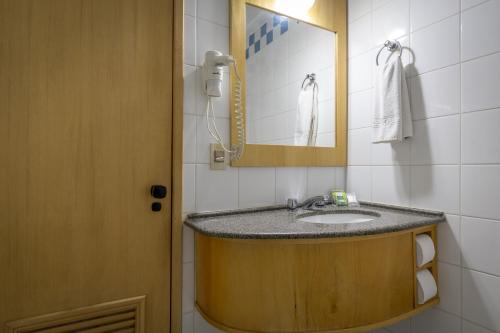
(217, 157)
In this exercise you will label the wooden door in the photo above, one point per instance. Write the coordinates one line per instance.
(85, 130)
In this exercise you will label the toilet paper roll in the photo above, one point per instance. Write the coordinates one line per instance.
(425, 249)
(426, 286)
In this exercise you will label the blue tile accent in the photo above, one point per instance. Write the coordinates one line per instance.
(263, 30)
(276, 20)
(269, 37)
(257, 46)
(251, 39)
(247, 53)
(283, 27)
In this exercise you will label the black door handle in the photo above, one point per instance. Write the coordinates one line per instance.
(158, 191)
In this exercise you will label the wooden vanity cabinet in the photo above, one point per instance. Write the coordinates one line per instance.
(346, 284)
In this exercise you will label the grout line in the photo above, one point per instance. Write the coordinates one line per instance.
(359, 17)
(209, 21)
(433, 70)
(479, 110)
(479, 57)
(481, 272)
(451, 314)
(460, 167)
(482, 218)
(473, 6)
(476, 324)
(434, 22)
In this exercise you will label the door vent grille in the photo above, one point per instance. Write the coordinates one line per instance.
(122, 316)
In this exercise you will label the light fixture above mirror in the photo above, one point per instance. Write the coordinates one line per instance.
(297, 8)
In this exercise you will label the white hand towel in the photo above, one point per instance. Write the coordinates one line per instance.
(306, 121)
(392, 117)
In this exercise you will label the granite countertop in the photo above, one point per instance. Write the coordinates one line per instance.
(277, 222)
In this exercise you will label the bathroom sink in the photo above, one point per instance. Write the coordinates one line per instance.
(338, 217)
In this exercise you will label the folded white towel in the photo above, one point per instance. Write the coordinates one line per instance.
(392, 117)
(306, 121)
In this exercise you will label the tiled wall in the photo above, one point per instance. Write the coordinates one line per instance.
(453, 162)
(280, 54)
(206, 28)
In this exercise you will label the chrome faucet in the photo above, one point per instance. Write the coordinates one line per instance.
(314, 202)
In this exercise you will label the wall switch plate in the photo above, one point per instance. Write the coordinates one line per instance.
(217, 157)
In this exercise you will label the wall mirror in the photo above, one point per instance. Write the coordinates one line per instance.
(292, 62)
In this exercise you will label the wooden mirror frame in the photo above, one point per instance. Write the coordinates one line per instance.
(326, 14)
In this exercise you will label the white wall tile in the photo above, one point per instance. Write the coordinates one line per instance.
(480, 82)
(436, 46)
(391, 21)
(216, 190)
(466, 4)
(479, 241)
(360, 36)
(358, 8)
(291, 183)
(202, 326)
(188, 322)
(468, 327)
(359, 180)
(435, 187)
(189, 138)
(480, 137)
(379, 3)
(425, 12)
(188, 188)
(190, 7)
(481, 299)
(257, 187)
(480, 184)
(321, 181)
(436, 93)
(403, 326)
(187, 244)
(190, 97)
(449, 240)
(189, 40)
(340, 178)
(436, 321)
(436, 141)
(397, 153)
(187, 287)
(391, 185)
(480, 26)
(210, 36)
(359, 146)
(450, 284)
(360, 72)
(215, 11)
(360, 109)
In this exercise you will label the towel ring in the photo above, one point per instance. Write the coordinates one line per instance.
(311, 77)
(391, 46)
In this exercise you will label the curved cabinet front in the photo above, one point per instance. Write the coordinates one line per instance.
(316, 285)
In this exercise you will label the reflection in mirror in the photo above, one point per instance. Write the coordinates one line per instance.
(290, 81)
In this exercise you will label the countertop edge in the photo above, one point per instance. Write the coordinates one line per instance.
(430, 217)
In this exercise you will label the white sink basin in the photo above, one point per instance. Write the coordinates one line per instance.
(338, 218)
